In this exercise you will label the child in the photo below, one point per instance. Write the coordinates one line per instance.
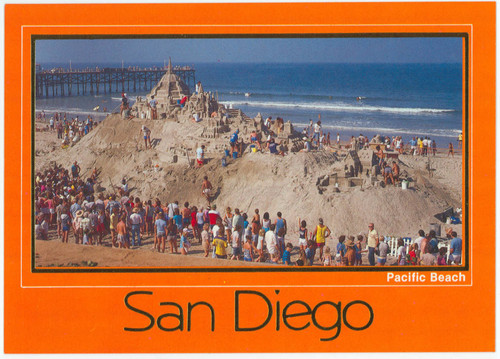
(359, 251)
(220, 246)
(302, 235)
(310, 252)
(287, 254)
(327, 258)
(302, 258)
(260, 246)
(185, 242)
(248, 249)
(205, 239)
(340, 250)
(442, 256)
(178, 219)
(236, 242)
(411, 257)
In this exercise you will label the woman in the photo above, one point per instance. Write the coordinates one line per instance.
(401, 252)
(228, 222)
(266, 222)
(172, 235)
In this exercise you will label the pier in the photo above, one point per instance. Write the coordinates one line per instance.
(70, 82)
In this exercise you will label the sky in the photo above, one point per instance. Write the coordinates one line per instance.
(252, 50)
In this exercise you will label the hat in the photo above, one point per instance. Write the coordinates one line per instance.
(349, 243)
(185, 230)
(79, 213)
(304, 139)
(136, 210)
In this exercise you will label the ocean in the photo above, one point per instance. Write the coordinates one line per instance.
(352, 99)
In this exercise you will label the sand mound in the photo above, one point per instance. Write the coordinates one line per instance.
(259, 180)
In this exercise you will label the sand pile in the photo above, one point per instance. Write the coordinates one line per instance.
(257, 180)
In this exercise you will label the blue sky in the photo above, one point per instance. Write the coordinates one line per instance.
(294, 50)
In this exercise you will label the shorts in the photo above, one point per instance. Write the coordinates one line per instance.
(455, 258)
(160, 234)
(220, 257)
(302, 242)
(253, 139)
(51, 211)
(122, 239)
(200, 225)
(207, 191)
(236, 251)
(381, 260)
(319, 245)
(146, 137)
(186, 221)
(247, 259)
(200, 162)
(65, 228)
(171, 238)
(100, 228)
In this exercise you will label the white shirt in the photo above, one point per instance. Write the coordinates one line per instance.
(418, 241)
(135, 218)
(270, 239)
(317, 128)
(199, 153)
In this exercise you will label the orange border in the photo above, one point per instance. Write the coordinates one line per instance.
(86, 317)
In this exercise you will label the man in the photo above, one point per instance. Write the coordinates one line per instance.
(428, 259)
(418, 241)
(395, 172)
(372, 243)
(152, 106)
(388, 174)
(121, 230)
(317, 132)
(455, 249)
(383, 248)
(213, 216)
(200, 156)
(147, 136)
(271, 244)
(234, 140)
(75, 170)
(136, 222)
(321, 232)
(206, 188)
(413, 146)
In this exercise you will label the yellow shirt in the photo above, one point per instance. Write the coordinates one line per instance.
(113, 221)
(320, 234)
(220, 246)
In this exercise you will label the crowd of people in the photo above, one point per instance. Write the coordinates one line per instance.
(68, 130)
(68, 204)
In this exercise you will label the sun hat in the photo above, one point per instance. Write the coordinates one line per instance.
(185, 230)
(79, 213)
(136, 210)
(349, 243)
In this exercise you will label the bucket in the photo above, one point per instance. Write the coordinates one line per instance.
(235, 154)
(254, 149)
(404, 184)
(226, 152)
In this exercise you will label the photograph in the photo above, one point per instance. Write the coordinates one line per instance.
(279, 151)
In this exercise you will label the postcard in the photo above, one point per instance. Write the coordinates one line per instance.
(211, 178)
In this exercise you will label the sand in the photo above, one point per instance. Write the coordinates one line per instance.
(257, 180)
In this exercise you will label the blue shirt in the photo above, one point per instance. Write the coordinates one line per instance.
(456, 245)
(234, 138)
(178, 220)
(286, 258)
(160, 226)
(341, 248)
(310, 255)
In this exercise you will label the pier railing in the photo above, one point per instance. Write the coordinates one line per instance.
(70, 82)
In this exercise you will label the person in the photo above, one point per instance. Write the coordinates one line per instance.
(236, 242)
(205, 239)
(434, 147)
(450, 150)
(455, 256)
(200, 156)
(317, 132)
(321, 232)
(412, 257)
(338, 138)
(75, 170)
(206, 189)
(428, 259)
(65, 225)
(327, 261)
(228, 222)
(160, 231)
(418, 241)
(136, 223)
(302, 234)
(413, 146)
(233, 140)
(287, 254)
(213, 216)
(260, 245)
(172, 235)
(395, 172)
(460, 137)
(341, 249)
(372, 243)
(359, 251)
(271, 146)
(388, 174)
(147, 136)
(248, 249)
(401, 252)
(220, 246)
(310, 252)
(152, 106)
(271, 243)
(307, 145)
(254, 139)
(383, 248)
(350, 255)
(121, 230)
(280, 223)
(441, 258)
(185, 245)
